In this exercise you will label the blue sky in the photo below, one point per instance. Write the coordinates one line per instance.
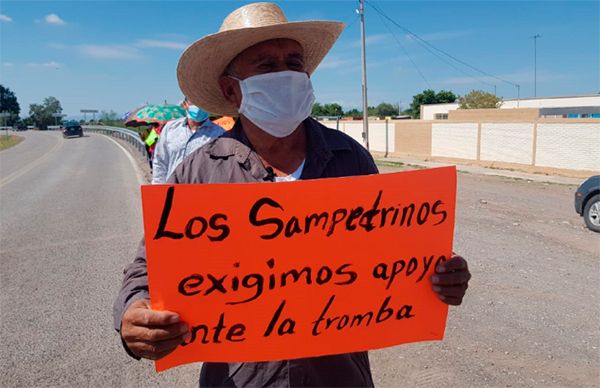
(116, 55)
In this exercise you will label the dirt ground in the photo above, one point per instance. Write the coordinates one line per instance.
(531, 316)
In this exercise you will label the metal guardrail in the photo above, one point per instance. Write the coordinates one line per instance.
(128, 135)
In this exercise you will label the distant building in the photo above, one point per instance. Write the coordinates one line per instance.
(566, 106)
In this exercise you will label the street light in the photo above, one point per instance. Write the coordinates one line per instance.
(535, 38)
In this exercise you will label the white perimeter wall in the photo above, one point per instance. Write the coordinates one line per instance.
(454, 140)
(507, 142)
(377, 138)
(572, 146)
(565, 145)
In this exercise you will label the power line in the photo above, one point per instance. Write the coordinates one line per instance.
(437, 55)
(427, 44)
(405, 51)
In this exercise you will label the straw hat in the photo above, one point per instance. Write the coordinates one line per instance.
(204, 61)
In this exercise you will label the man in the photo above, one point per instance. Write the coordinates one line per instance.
(259, 65)
(179, 138)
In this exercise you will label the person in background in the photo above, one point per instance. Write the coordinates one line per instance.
(178, 138)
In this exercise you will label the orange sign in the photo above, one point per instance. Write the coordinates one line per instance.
(290, 270)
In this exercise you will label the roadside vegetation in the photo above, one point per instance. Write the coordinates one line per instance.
(7, 141)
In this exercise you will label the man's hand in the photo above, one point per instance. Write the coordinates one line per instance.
(451, 280)
(149, 333)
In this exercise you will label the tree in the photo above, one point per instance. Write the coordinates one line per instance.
(387, 109)
(9, 104)
(353, 113)
(42, 113)
(429, 96)
(317, 110)
(327, 110)
(478, 99)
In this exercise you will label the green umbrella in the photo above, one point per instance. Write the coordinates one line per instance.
(155, 114)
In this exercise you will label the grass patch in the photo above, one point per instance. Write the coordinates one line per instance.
(390, 163)
(386, 163)
(7, 141)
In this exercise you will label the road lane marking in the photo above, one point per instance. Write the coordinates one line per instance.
(138, 172)
(28, 167)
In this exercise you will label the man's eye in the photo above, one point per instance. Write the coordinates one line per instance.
(265, 66)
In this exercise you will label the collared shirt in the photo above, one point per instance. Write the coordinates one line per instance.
(177, 141)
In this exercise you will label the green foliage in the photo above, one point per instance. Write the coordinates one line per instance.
(41, 114)
(9, 104)
(382, 110)
(386, 109)
(353, 113)
(327, 110)
(478, 99)
(429, 96)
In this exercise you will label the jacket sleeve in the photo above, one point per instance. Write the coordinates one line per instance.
(134, 286)
(160, 160)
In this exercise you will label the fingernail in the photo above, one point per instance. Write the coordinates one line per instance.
(442, 268)
(435, 279)
(183, 329)
(174, 319)
(187, 337)
(436, 288)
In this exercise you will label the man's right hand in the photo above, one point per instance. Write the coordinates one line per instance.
(149, 333)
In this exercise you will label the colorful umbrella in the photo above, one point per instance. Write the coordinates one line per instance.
(155, 114)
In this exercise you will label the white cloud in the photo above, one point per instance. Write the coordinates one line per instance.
(50, 65)
(54, 19)
(109, 51)
(371, 39)
(334, 63)
(152, 43)
(7, 64)
(4, 18)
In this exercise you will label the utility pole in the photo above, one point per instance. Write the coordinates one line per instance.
(535, 38)
(365, 134)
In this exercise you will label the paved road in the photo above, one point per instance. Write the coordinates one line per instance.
(70, 216)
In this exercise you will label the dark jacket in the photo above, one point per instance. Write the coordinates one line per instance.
(231, 159)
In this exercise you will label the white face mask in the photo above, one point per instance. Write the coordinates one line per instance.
(277, 102)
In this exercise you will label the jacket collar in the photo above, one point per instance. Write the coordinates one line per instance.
(319, 150)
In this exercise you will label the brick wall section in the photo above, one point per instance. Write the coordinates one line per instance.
(413, 138)
(454, 140)
(494, 115)
(573, 146)
(507, 142)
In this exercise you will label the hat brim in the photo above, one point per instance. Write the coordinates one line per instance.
(204, 61)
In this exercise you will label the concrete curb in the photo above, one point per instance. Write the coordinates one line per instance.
(487, 171)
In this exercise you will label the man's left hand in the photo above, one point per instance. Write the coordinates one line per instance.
(451, 280)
